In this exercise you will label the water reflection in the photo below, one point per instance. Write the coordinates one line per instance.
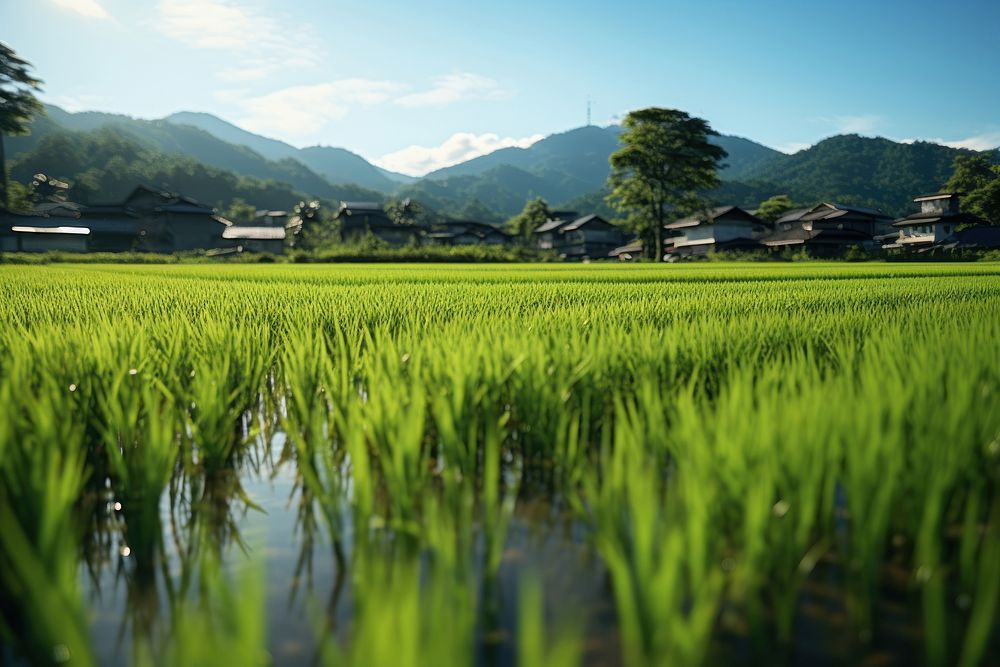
(138, 567)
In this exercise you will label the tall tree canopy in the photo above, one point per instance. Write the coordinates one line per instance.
(535, 212)
(17, 103)
(775, 207)
(978, 179)
(665, 164)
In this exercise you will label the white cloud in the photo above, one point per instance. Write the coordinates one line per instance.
(861, 124)
(208, 24)
(452, 88)
(420, 160)
(979, 142)
(982, 142)
(298, 112)
(256, 44)
(89, 8)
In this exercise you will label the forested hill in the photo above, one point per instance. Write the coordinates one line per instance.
(856, 170)
(337, 165)
(105, 164)
(576, 162)
(182, 140)
(568, 169)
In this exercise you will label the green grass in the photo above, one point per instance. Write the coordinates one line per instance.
(730, 442)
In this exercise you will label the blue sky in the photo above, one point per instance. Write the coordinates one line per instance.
(417, 85)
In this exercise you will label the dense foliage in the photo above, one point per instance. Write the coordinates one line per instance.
(535, 213)
(716, 464)
(17, 105)
(850, 169)
(662, 171)
(977, 178)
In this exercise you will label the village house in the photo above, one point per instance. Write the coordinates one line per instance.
(270, 239)
(466, 232)
(719, 228)
(828, 229)
(265, 233)
(977, 237)
(148, 220)
(573, 237)
(360, 219)
(168, 222)
(939, 217)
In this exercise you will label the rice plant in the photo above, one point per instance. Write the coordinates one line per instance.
(541, 464)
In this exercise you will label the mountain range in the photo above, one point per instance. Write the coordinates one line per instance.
(568, 168)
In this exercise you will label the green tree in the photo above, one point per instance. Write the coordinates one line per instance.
(476, 210)
(17, 104)
(978, 179)
(20, 197)
(304, 216)
(322, 232)
(775, 207)
(405, 211)
(665, 164)
(240, 211)
(523, 225)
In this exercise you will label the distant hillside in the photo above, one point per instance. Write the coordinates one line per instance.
(503, 189)
(337, 165)
(187, 140)
(744, 156)
(272, 149)
(848, 169)
(104, 164)
(858, 170)
(568, 168)
(576, 160)
(574, 164)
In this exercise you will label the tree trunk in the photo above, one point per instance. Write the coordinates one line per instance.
(659, 242)
(3, 176)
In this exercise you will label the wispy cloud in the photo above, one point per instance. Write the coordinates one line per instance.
(980, 142)
(257, 44)
(452, 88)
(459, 147)
(860, 124)
(298, 112)
(89, 8)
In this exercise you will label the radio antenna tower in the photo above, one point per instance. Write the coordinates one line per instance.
(588, 110)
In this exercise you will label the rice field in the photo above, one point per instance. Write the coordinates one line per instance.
(500, 465)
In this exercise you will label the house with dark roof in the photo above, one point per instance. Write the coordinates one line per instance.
(978, 237)
(269, 238)
(20, 232)
(466, 232)
(167, 221)
(360, 219)
(149, 220)
(579, 237)
(828, 229)
(719, 228)
(939, 217)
